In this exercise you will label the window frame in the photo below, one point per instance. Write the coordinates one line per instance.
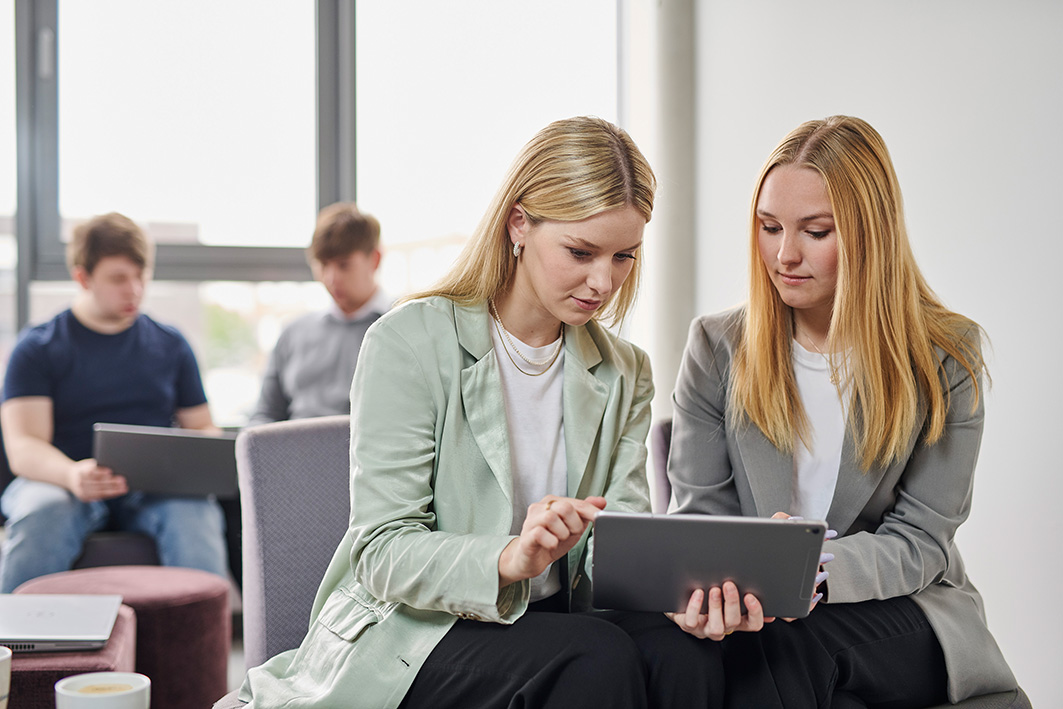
(41, 253)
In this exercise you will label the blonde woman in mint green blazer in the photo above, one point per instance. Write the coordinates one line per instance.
(429, 599)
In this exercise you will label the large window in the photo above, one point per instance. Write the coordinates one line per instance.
(196, 118)
(447, 95)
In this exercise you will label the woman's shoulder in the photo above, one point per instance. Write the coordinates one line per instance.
(719, 332)
(432, 313)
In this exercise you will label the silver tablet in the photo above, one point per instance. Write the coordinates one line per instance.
(650, 562)
(168, 461)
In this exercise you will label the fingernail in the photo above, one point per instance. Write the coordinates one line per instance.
(831, 534)
(825, 557)
(821, 577)
(815, 598)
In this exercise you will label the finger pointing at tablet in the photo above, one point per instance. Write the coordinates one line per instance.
(553, 526)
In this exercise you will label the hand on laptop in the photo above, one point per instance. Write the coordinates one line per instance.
(90, 482)
(724, 614)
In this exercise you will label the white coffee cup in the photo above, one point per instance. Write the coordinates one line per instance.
(95, 690)
(5, 675)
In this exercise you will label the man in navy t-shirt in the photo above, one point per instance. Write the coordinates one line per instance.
(100, 361)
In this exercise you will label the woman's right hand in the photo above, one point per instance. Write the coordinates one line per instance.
(551, 529)
(724, 614)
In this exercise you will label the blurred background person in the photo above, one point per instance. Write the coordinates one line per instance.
(101, 360)
(311, 367)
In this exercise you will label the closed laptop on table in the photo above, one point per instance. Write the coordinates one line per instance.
(56, 622)
(168, 461)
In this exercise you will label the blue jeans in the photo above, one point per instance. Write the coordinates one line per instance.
(47, 527)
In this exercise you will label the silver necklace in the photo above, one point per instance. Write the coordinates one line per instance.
(830, 360)
(500, 327)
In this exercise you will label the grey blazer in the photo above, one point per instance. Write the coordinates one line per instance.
(431, 498)
(896, 525)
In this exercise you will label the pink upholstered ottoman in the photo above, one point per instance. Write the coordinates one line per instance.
(34, 674)
(183, 625)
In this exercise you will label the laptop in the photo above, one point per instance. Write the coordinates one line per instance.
(169, 461)
(56, 622)
(646, 562)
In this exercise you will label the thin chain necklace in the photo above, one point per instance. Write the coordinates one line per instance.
(830, 360)
(501, 329)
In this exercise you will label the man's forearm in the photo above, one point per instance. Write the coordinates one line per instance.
(39, 460)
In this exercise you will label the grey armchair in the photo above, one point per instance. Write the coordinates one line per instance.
(295, 498)
(660, 441)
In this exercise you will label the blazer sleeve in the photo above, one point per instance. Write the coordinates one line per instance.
(699, 464)
(912, 547)
(397, 553)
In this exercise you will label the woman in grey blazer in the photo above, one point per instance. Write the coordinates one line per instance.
(844, 390)
(492, 418)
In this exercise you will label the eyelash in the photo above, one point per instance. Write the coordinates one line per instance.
(814, 234)
(580, 255)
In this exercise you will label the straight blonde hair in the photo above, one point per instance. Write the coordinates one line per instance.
(885, 317)
(571, 170)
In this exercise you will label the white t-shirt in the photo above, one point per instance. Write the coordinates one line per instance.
(536, 435)
(816, 470)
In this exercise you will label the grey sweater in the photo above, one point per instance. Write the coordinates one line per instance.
(311, 368)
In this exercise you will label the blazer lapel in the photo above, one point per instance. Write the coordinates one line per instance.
(770, 471)
(481, 393)
(584, 402)
(855, 487)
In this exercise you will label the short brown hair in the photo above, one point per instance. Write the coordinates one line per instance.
(341, 230)
(106, 235)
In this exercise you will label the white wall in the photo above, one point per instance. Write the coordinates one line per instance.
(968, 95)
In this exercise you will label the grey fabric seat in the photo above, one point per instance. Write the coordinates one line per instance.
(295, 497)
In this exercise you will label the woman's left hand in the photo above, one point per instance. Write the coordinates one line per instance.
(724, 614)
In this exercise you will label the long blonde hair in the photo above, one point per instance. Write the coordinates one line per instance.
(885, 316)
(571, 170)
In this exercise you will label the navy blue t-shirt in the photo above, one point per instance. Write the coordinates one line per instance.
(141, 375)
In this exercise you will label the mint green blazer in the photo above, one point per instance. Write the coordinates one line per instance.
(431, 498)
(896, 524)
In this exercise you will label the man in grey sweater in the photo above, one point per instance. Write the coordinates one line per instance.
(310, 370)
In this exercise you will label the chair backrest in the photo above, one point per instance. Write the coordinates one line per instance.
(660, 440)
(295, 499)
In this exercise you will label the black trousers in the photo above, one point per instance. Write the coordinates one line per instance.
(872, 654)
(542, 660)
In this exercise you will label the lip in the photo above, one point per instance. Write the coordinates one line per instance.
(589, 305)
(793, 279)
